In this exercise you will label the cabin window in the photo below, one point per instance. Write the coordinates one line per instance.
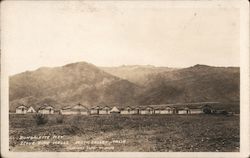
(128, 110)
(49, 110)
(22, 109)
(106, 110)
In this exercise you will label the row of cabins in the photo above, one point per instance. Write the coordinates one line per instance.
(46, 109)
(161, 110)
(80, 109)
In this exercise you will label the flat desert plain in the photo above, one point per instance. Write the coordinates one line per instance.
(134, 133)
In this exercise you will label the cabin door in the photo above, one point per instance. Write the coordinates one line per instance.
(175, 111)
(137, 111)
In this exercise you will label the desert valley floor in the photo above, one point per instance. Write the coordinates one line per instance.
(154, 133)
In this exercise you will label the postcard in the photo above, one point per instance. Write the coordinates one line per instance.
(125, 78)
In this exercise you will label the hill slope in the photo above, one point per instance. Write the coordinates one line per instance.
(138, 74)
(199, 83)
(77, 82)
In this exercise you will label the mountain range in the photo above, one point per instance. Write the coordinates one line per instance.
(125, 85)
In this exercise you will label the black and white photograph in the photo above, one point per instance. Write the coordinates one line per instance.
(125, 77)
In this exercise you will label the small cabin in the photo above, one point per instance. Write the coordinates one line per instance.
(104, 111)
(31, 110)
(78, 109)
(136, 111)
(196, 110)
(66, 110)
(157, 111)
(57, 111)
(183, 110)
(174, 110)
(46, 109)
(126, 111)
(166, 110)
(115, 110)
(146, 110)
(21, 109)
(95, 110)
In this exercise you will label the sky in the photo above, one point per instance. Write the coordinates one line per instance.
(49, 33)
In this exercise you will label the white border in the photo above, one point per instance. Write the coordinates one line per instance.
(243, 5)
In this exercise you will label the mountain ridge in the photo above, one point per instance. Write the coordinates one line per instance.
(91, 85)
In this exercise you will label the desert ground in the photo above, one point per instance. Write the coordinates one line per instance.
(142, 133)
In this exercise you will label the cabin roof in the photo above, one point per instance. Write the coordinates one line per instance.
(145, 107)
(195, 108)
(66, 107)
(115, 109)
(95, 108)
(21, 106)
(128, 107)
(163, 108)
(75, 107)
(79, 106)
(105, 107)
(46, 106)
(31, 108)
(182, 108)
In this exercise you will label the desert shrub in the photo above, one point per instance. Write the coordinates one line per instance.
(74, 130)
(41, 119)
(59, 119)
(224, 112)
(76, 120)
(207, 110)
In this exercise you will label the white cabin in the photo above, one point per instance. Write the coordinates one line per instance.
(166, 110)
(105, 110)
(75, 110)
(184, 111)
(196, 111)
(127, 111)
(147, 110)
(21, 109)
(95, 110)
(46, 109)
